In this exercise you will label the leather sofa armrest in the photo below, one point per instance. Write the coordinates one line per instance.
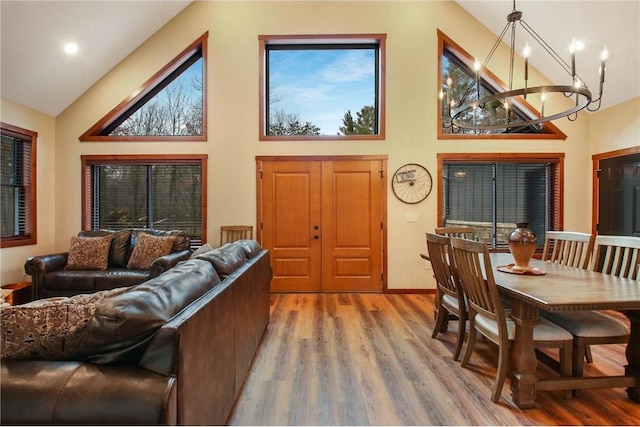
(73, 393)
(162, 264)
(38, 266)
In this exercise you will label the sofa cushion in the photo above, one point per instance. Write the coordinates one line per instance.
(147, 248)
(225, 259)
(123, 326)
(119, 245)
(251, 247)
(202, 249)
(88, 253)
(50, 329)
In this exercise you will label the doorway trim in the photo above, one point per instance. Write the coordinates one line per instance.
(595, 187)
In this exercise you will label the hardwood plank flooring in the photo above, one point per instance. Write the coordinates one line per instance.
(369, 359)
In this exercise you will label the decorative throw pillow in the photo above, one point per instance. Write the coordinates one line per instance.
(147, 249)
(50, 329)
(88, 253)
(202, 249)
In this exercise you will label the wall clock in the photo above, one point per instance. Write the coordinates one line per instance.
(411, 183)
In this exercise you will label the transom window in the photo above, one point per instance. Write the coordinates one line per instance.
(18, 186)
(457, 86)
(492, 193)
(165, 193)
(322, 87)
(171, 105)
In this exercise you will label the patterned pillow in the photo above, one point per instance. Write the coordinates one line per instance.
(88, 253)
(50, 329)
(147, 249)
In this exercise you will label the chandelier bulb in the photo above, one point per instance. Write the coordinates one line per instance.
(441, 95)
(526, 51)
(449, 81)
(604, 55)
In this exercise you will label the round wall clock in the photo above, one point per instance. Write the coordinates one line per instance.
(411, 183)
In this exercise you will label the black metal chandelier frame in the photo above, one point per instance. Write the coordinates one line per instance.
(583, 97)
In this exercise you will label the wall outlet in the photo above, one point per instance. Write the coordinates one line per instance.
(412, 217)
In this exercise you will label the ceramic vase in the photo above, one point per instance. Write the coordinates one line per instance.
(522, 245)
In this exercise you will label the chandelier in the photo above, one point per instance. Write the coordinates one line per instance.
(480, 110)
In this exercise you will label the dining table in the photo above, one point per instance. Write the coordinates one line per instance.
(564, 288)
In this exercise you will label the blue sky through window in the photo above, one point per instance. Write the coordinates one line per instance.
(321, 85)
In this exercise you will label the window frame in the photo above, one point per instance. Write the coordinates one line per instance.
(558, 189)
(490, 79)
(310, 40)
(147, 90)
(88, 161)
(30, 235)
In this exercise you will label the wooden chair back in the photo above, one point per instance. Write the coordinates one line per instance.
(568, 248)
(474, 270)
(459, 232)
(231, 233)
(439, 248)
(617, 255)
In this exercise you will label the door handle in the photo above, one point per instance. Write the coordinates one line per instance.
(316, 237)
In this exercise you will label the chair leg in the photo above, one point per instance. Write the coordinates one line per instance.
(462, 323)
(441, 320)
(501, 373)
(587, 353)
(471, 343)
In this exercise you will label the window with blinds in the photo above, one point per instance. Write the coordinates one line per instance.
(17, 182)
(492, 196)
(164, 194)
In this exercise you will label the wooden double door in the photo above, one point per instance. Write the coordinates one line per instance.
(323, 221)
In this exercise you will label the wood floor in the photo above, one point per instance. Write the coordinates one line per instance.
(369, 359)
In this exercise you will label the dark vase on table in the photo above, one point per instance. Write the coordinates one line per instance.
(522, 245)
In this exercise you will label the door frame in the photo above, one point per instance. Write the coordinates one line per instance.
(595, 187)
(382, 157)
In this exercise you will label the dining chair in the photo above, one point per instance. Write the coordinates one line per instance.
(457, 231)
(568, 248)
(617, 256)
(487, 315)
(462, 232)
(231, 233)
(449, 298)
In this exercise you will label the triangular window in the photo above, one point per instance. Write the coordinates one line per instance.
(169, 106)
(455, 64)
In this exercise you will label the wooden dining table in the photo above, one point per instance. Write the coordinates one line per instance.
(565, 288)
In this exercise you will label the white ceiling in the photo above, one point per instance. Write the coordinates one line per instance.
(35, 72)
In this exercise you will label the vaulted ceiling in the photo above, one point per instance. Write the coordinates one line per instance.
(35, 72)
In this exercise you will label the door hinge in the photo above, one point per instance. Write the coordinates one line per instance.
(598, 171)
(382, 174)
(260, 173)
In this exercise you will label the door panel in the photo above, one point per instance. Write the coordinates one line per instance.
(352, 226)
(322, 220)
(619, 196)
(290, 211)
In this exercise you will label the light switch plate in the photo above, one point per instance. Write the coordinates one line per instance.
(412, 217)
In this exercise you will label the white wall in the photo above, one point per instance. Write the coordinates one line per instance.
(232, 72)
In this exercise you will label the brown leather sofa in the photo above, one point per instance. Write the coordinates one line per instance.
(154, 354)
(50, 279)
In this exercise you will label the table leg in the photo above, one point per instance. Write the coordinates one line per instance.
(633, 354)
(523, 355)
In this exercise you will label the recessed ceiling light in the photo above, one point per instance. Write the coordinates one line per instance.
(71, 48)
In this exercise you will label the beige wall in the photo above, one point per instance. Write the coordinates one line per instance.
(615, 128)
(411, 77)
(12, 259)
